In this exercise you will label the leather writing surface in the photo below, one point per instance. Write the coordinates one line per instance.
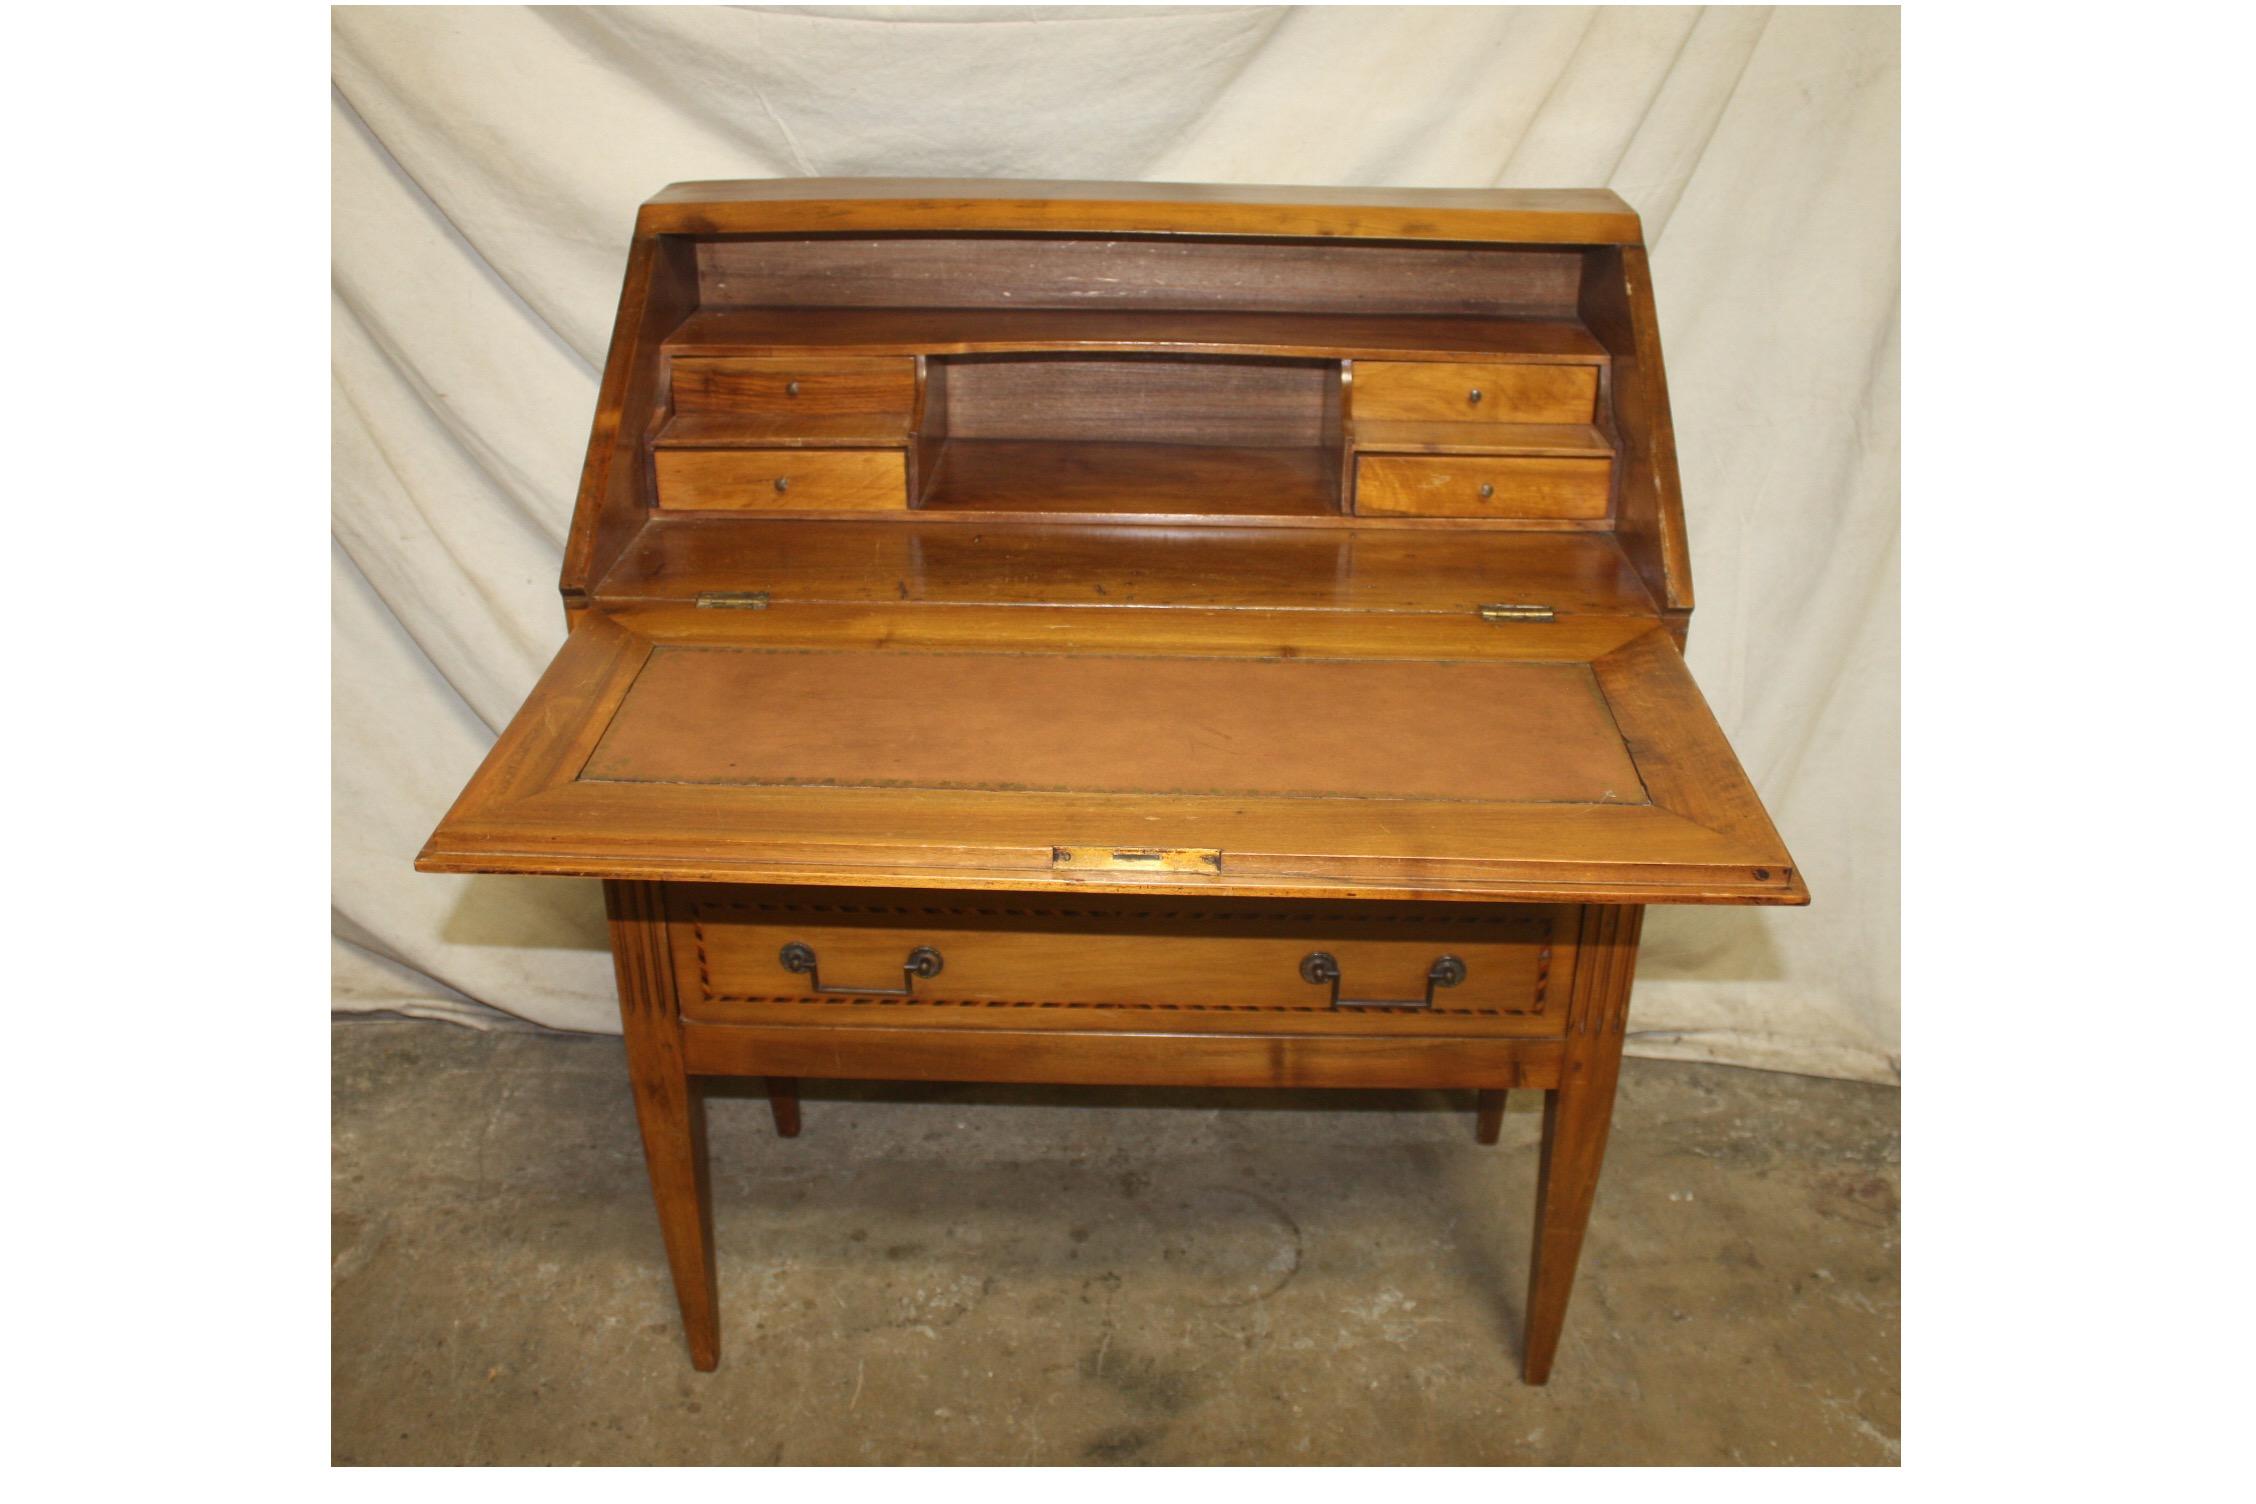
(583, 782)
(1499, 732)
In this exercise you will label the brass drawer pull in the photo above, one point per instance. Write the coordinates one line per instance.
(924, 961)
(1318, 967)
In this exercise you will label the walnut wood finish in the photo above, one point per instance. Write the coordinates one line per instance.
(1549, 216)
(1130, 682)
(790, 332)
(1159, 275)
(741, 430)
(1474, 392)
(1111, 963)
(1101, 482)
(1386, 436)
(1617, 305)
(1364, 583)
(1576, 1118)
(1150, 1057)
(616, 491)
(1489, 1117)
(1138, 399)
(670, 1109)
(783, 1104)
(757, 480)
(1482, 486)
(803, 387)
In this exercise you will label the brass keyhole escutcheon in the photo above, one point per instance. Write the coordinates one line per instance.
(783, 483)
(791, 388)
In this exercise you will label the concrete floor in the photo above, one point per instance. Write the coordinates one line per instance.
(1018, 1275)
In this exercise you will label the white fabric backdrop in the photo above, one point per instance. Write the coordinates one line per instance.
(487, 167)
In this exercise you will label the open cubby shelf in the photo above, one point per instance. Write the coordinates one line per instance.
(1084, 478)
(748, 331)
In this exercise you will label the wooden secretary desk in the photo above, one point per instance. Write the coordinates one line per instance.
(1127, 634)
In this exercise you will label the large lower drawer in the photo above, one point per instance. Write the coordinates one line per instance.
(826, 956)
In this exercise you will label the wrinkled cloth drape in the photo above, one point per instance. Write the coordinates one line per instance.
(487, 167)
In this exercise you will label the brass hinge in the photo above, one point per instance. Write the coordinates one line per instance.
(732, 600)
(1509, 611)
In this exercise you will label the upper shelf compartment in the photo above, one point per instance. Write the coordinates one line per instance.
(1011, 294)
(1540, 301)
(743, 331)
(1184, 379)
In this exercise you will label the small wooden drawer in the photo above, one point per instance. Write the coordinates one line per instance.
(1514, 486)
(812, 387)
(772, 480)
(823, 957)
(1429, 391)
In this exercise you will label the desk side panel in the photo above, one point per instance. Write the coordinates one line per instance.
(1617, 307)
(616, 488)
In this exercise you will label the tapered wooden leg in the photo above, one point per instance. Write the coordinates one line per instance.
(783, 1101)
(1489, 1124)
(1576, 1118)
(669, 1107)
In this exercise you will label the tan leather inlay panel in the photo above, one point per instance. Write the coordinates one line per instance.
(1489, 732)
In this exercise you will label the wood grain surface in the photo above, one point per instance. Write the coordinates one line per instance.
(1516, 216)
(1190, 331)
(1476, 485)
(755, 480)
(1474, 392)
(1106, 962)
(1159, 274)
(805, 386)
